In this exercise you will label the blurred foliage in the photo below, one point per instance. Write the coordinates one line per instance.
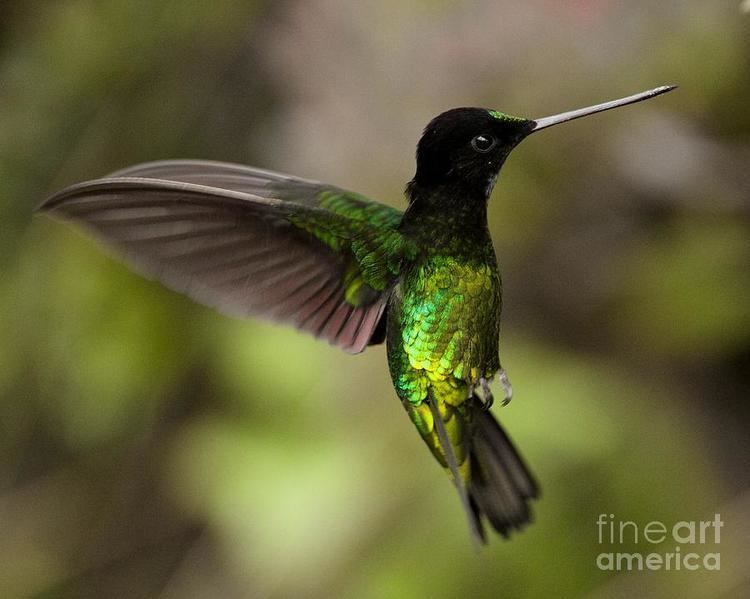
(149, 447)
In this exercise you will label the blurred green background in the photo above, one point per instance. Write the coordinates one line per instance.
(152, 448)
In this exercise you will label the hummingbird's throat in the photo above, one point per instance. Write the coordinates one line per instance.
(491, 184)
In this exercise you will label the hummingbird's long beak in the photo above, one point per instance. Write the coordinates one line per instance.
(556, 119)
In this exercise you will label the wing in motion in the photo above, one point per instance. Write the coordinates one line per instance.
(250, 242)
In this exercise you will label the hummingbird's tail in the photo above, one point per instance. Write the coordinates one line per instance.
(500, 484)
(492, 479)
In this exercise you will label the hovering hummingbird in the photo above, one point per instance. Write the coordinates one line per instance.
(355, 273)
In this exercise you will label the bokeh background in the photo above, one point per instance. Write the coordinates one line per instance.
(152, 448)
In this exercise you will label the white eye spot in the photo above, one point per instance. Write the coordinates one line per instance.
(490, 184)
(483, 143)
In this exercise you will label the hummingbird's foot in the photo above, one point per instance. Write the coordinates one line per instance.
(487, 397)
(507, 387)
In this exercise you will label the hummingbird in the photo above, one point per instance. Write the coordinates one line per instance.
(356, 273)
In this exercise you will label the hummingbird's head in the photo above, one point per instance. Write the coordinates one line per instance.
(464, 148)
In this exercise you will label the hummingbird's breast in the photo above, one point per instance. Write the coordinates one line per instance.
(444, 324)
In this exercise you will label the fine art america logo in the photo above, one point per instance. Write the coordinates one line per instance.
(685, 544)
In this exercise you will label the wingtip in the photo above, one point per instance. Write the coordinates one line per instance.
(51, 203)
(46, 205)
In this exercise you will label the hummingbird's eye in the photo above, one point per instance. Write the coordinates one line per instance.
(483, 143)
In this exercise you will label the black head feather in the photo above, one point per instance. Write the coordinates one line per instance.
(464, 148)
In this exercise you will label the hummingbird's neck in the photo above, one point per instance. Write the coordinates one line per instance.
(445, 210)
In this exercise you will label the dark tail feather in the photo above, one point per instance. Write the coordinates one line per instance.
(501, 486)
(475, 522)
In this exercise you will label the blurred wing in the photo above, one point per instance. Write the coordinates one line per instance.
(245, 254)
(268, 184)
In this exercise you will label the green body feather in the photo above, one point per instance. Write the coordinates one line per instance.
(443, 329)
(444, 311)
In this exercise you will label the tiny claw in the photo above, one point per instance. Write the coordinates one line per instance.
(488, 398)
(507, 387)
